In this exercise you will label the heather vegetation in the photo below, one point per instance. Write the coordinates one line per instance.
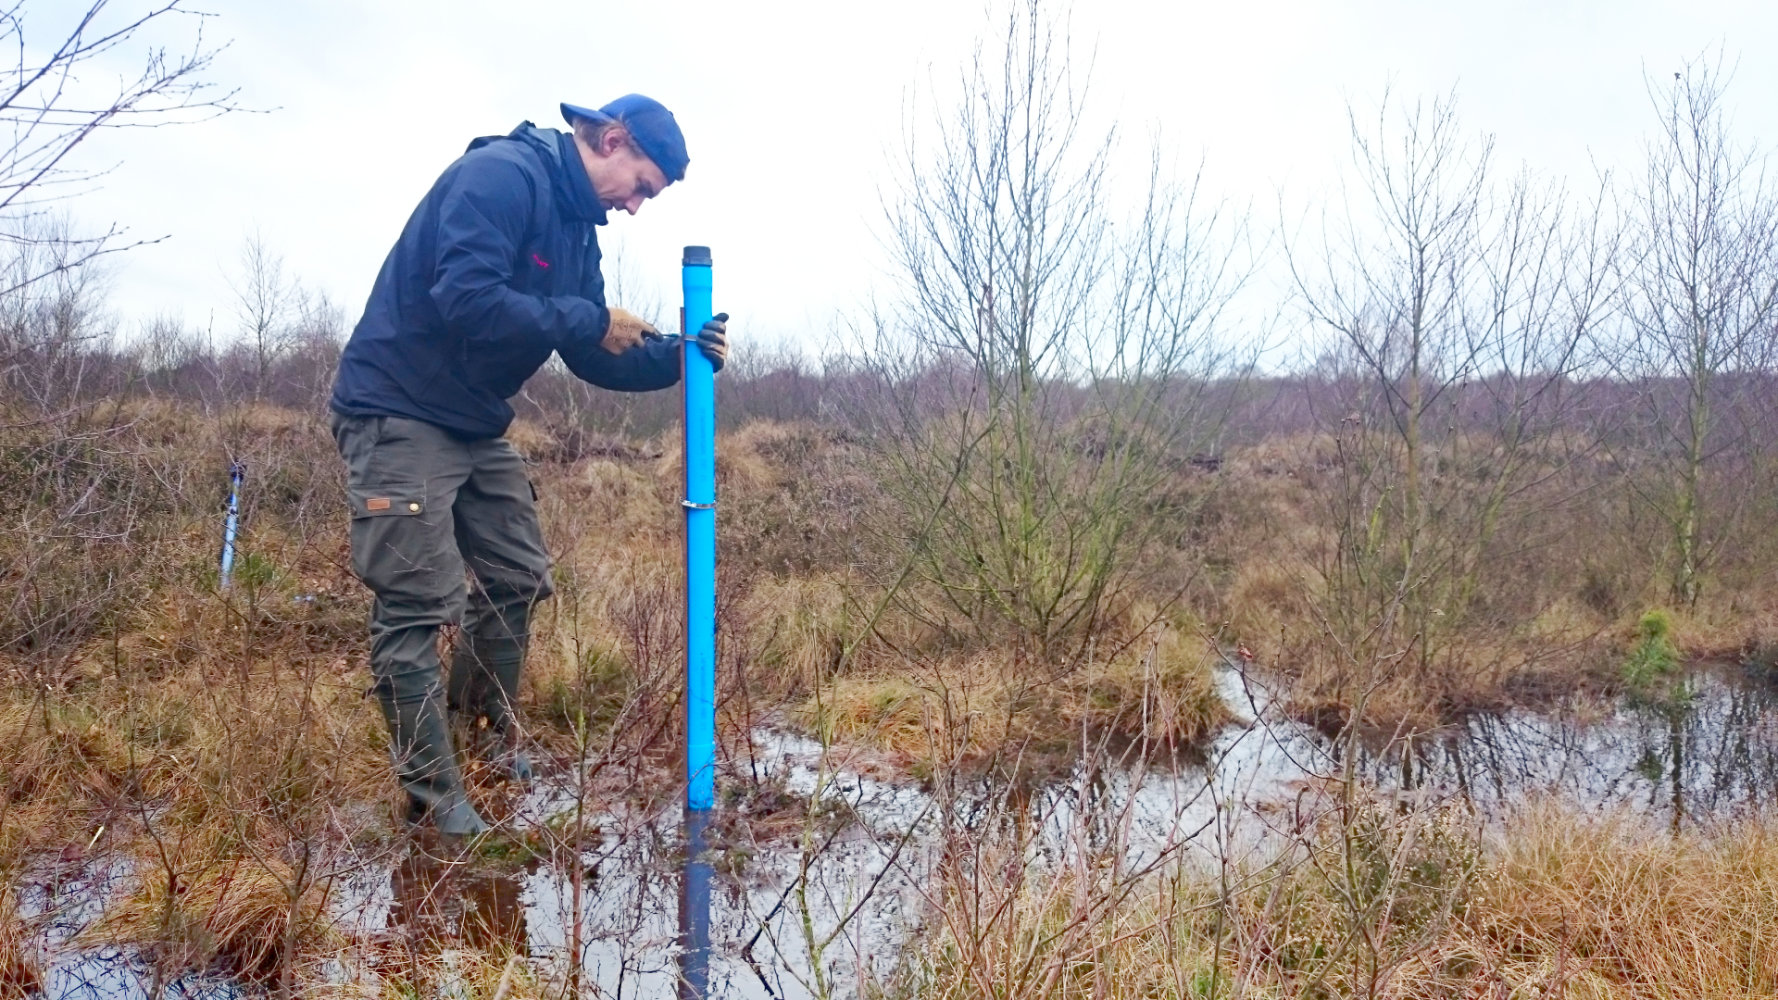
(1018, 536)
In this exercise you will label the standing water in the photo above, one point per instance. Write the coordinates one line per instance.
(844, 890)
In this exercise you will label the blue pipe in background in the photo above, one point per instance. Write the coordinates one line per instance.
(700, 540)
(231, 521)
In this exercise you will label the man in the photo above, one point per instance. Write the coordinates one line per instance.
(497, 268)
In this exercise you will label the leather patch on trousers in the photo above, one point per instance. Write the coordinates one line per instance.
(377, 503)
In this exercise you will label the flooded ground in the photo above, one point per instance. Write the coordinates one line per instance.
(1709, 758)
(841, 893)
(65, 898)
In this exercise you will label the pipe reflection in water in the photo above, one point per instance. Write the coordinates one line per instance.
(694, 908)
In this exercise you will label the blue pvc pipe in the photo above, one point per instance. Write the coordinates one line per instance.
(700, 540)
(231, 522)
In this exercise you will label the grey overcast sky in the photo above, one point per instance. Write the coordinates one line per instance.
(792, 110)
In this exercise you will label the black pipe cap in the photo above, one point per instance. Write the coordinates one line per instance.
(696, 257)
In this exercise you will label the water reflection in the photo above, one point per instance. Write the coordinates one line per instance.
(864, 883)
(634, 917)
(1708, 759)
(438, 901)
(843, 894)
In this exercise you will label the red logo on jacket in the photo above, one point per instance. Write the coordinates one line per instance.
(539, 261)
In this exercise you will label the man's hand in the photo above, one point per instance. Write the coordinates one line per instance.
(625, 331)
(713, 340)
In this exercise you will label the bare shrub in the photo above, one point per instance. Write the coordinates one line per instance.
(1040, 383)
(1703, 281)
(1460, 308)
(51, 105)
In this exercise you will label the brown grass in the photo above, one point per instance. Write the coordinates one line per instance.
(986, 707)
(1404, 906)
(21, 972)
(224, 743)
(254, 917)
(1609, 908)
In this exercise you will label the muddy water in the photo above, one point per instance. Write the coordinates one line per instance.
(846, 897)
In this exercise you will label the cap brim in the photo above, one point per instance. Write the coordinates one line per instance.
(573, 111)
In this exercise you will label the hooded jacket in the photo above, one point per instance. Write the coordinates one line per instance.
(496, 268)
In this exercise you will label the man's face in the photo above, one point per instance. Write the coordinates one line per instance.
(623, 176)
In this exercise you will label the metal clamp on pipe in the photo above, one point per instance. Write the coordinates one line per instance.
(694, 505)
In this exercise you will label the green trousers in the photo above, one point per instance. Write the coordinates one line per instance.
(426, 507)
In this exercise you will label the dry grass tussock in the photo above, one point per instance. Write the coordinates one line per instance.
(1072, 934)
(991, 707)
(1607, 909)
(1382, 904)
(254, 917)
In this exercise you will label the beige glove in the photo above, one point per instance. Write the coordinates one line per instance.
(626, 331)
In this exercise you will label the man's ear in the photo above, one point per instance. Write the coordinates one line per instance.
(612, 140)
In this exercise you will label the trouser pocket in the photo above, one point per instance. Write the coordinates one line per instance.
(400, 479)
(401, 549)
(387, 500)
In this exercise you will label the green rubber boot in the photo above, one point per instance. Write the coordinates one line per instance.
(484, 684)
(420, 742)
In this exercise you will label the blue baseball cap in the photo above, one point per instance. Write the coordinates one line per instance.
(649, 123)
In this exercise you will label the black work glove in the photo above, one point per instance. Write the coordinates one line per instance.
(713, 340)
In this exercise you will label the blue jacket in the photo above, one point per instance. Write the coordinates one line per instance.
(498, 267)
